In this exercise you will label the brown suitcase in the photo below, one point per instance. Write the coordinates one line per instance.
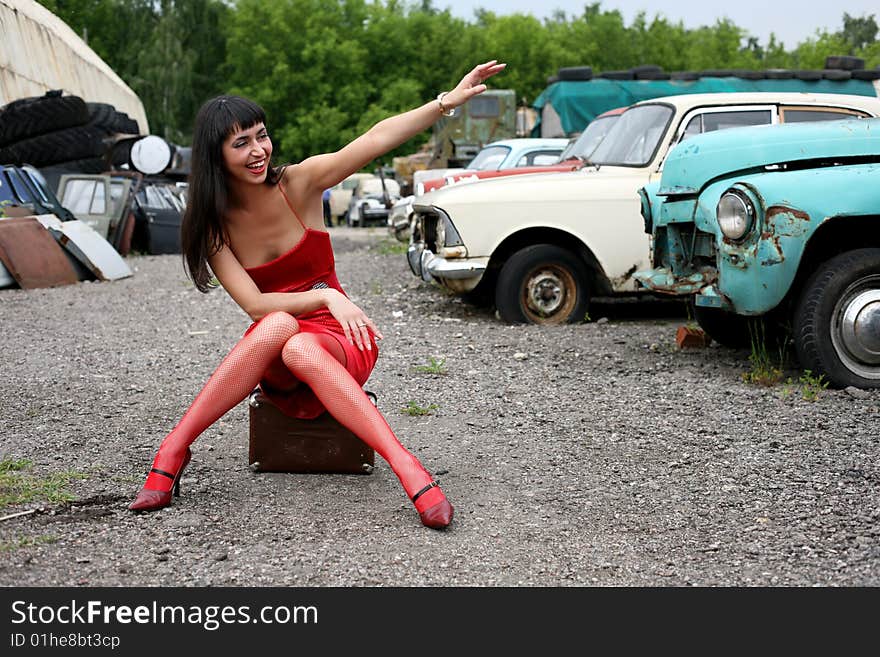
(279, 443)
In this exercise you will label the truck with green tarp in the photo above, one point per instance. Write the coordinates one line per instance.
(566, 106)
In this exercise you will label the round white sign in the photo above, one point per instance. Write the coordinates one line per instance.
(150, 155)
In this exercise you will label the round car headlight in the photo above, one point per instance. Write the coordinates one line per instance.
(735, 214)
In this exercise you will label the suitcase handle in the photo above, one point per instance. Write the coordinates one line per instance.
(254, 397)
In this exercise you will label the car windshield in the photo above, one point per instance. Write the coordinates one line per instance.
(583, 146)
(633, 138)
(489, 159)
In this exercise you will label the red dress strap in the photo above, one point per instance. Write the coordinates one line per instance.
(287, 200)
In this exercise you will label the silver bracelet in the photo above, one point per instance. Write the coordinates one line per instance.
(443, 110)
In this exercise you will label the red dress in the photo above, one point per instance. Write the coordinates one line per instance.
(307, 266)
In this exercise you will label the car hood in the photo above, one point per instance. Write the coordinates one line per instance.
(526, 188)
(695, 162)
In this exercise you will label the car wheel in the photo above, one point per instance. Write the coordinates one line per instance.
(542, 284)
(837, 320)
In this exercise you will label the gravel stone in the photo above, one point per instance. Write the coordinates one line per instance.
(608, 457)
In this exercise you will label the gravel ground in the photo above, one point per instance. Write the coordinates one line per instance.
(584, 455)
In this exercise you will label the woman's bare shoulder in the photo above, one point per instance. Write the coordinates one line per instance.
(303, 197)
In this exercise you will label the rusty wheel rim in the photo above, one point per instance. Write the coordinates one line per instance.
(549, 294)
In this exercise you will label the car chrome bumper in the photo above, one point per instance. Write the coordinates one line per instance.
(428, 266)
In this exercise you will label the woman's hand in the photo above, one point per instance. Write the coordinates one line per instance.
(472, 84)
(319, 172)
(354, 321)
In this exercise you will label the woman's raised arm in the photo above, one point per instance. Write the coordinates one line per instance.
(323, 171)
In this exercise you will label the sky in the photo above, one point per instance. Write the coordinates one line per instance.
(793, 21)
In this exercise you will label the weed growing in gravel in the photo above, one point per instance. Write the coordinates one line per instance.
(391, 247)
(812, 386)
(375, 288)
(13, 465)
(766, 370)
(17, 487)
(412, 408)
(27, 541)
(434, 366)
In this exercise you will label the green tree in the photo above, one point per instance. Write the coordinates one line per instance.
(326, 70)
(599, 38)
(527, 47)
(661, 43)
(306, 69)
(858, 32)
(813, 52)
(164, 72)
(169, 52)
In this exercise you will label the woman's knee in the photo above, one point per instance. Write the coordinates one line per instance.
(278, 324)
(302, 350)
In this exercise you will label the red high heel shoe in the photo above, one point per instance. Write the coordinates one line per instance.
(153, 500)
(436, 511)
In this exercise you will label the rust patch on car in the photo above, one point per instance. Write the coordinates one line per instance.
(620, 280)
(779, 257)
(664, 281)
(774, 210)
(781, 221)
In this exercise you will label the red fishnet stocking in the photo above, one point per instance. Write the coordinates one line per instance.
(232, 381)
(314, 359)
(306, 356)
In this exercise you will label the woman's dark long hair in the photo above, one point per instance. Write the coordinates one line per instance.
(202, 231)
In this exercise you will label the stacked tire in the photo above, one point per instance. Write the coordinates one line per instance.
(61, 132)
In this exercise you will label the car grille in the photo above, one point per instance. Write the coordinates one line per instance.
(425, 231)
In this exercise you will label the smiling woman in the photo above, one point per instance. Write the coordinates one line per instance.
(250, 148)
(260, 231)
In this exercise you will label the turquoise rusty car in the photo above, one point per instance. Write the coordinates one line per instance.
(778, 222)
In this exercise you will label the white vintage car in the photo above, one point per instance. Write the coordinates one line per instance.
(340, 194)
(371, 201)
(495, 159)
(543, 245)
